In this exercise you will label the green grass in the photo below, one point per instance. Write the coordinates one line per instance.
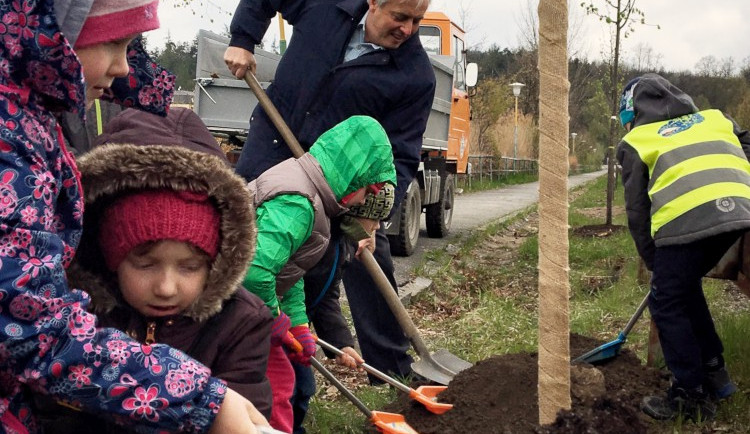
(479, 306)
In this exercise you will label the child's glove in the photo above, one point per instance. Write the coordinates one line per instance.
(303, 335)
(280, 331)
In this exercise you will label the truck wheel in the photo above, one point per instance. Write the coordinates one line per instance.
(404, 243)
(440, 215)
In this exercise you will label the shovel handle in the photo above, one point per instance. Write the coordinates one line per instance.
(273, 114)
(636, 315)
(374, 371)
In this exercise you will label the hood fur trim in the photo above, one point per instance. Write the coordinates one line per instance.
(110, 170)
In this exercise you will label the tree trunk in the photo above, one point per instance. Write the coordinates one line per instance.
(615, 92)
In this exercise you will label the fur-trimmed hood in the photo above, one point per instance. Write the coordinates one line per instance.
(112, 169)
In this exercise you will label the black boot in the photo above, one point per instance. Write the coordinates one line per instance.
(690, 404)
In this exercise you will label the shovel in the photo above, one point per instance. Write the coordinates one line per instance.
(611, 349)
(425, 395)
(439, 367)
(389, 423)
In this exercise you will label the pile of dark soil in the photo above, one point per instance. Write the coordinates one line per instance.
(499, 395)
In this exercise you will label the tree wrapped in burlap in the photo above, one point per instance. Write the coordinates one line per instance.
(554, 287)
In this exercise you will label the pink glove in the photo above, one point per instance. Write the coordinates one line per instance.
(303, 335)
(280, 331)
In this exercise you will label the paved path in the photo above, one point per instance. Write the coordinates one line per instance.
(474, 210)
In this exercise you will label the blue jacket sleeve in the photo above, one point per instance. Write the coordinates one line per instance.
(252, 17)
(48, 341)
(405, 125)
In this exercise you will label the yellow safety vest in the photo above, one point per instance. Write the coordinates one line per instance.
(691, 160)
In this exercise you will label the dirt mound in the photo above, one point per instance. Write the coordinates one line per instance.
(499, 395)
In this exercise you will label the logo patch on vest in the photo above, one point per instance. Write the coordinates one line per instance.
(725, 204)
(680, 124)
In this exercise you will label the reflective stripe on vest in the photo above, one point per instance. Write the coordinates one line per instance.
(700, 151)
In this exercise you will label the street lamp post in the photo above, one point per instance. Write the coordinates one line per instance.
(516, 91)
(573, 143)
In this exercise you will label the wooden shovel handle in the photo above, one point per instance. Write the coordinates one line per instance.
(274, 115)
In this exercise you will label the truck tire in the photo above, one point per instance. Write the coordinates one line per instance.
(405, 241)
(440, 215)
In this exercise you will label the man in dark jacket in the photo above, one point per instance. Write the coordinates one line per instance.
(687, 193)
(347, 57)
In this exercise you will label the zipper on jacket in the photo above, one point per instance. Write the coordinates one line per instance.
(150, 333)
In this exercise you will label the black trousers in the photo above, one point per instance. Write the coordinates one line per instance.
(678, 307)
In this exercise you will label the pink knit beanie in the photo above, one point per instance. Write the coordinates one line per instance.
(158, 215)
(111, 20)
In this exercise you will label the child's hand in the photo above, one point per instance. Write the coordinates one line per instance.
(237, 415)
(351, 359)
(303, 335)
(367, 243)
(280, 330)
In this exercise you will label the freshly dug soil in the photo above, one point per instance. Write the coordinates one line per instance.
(499, 395)
(597, 231)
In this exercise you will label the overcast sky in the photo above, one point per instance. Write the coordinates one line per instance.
(689, 29)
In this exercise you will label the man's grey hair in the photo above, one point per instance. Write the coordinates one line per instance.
(419, 2)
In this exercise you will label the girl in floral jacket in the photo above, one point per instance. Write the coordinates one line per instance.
(49, 343)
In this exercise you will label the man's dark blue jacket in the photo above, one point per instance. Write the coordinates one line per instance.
(314, 91)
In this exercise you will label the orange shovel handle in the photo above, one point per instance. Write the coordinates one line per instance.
(295, 345)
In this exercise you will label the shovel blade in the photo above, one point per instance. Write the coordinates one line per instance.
(391, 423)
(428, 396)
(450, 361)
(431, 372)
(440, 367)
(601, 353)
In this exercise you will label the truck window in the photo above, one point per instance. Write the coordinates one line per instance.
(459, 64)
(430, 38)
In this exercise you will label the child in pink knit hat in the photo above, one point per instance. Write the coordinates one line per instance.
(169, 231)
(57, 56)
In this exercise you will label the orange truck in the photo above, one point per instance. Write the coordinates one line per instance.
(225, 105)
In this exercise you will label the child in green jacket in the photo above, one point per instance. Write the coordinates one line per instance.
(295, 201)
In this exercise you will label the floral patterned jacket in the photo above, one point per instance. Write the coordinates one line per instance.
(49, 343)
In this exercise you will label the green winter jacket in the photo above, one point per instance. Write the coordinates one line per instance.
(353, 154)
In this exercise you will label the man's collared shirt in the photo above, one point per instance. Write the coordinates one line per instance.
(357, 45)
